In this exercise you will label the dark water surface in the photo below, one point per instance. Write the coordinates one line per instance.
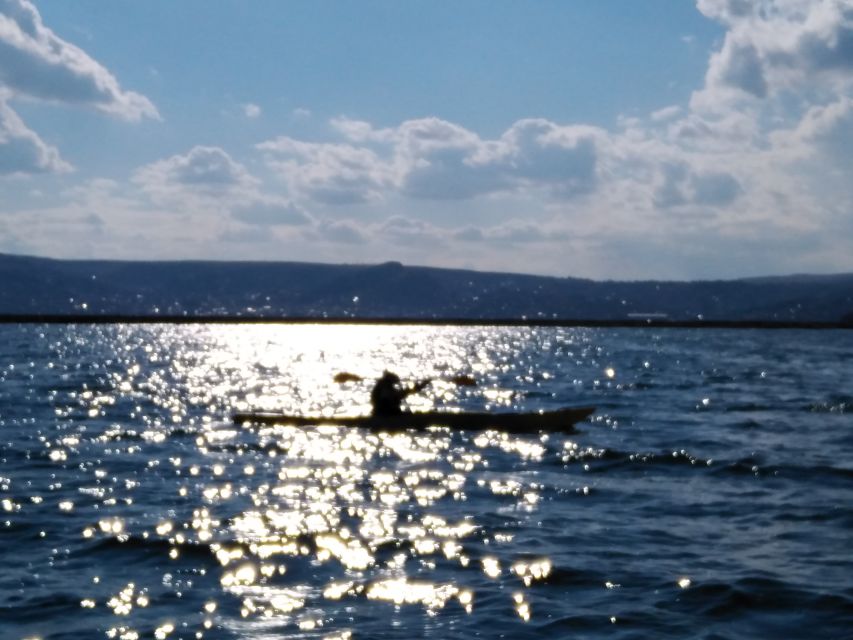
(709, 497)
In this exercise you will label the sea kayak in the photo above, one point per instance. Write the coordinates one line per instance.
(556, 420)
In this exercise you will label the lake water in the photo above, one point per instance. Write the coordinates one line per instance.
(708, 497)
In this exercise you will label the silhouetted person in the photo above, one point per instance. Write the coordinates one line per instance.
(388, 394)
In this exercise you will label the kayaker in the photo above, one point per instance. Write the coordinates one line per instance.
(388, 394)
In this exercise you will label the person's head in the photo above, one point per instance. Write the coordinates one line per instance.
(391, 378)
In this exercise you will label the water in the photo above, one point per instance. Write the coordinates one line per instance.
(709, 496)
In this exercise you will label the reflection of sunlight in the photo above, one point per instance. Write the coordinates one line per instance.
(293, 370)
(402, 591)
(301, 520)
(528, 572)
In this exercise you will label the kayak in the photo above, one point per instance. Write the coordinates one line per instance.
(533, 422)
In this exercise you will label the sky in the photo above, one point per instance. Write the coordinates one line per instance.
(614, 139)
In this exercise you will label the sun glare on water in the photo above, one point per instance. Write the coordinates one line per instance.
(304, 522)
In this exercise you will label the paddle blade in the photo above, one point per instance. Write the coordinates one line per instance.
(343, 376)
(464, 381)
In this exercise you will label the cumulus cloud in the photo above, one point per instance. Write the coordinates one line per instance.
(35, 63)
(745, 159)
(203, 171)
(681, 185)
(564, 158)
(210, 181)
(756, 162)
(21, 150)
(666, 113)
(438, 159)
(715, 189)
(823, 129)
(431, 158)
(775, 45)
(330, 173)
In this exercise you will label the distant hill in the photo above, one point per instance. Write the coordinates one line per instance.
(40, 286)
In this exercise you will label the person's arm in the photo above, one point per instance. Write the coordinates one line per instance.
(419, 386)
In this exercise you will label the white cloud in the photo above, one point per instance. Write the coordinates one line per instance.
(360, 130)
(209, 181)
(716, 189)
(35, 63)
(21, 150)
(562, 158)
(251, 110)
(430, 158)
(822, 129)
(667, 113)
(329, 173)
(754, 168)
(682, 185)
(776, 45)
(203, 171)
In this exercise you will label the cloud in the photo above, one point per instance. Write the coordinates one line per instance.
(776, 45)
(409, 231)
(563, 158)
(271, 212)
(666, 113)
(824, 129)
(329, 173)
(35, 63)
(251, 110)
(670, 190)
(359, 130)
(436, 159)
(682, 185)
(512, 231)
(440, 160)
(21, 150)
(342, 231)
(208, 179)
(756, 164)
(715, 189)
(203, 171)
(433, 159)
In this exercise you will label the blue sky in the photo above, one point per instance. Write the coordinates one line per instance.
(617, 139)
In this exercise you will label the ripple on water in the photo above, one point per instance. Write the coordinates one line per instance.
(135, 507)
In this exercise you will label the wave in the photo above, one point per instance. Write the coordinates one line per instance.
(607, 460)
(150, 546)
(754, 594)
(34, 608)
(834, 404)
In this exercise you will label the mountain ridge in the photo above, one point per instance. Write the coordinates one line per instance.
(258, 289)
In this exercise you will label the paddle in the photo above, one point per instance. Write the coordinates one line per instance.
(460, 380)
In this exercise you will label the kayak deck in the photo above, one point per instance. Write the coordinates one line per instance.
(556, 420)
